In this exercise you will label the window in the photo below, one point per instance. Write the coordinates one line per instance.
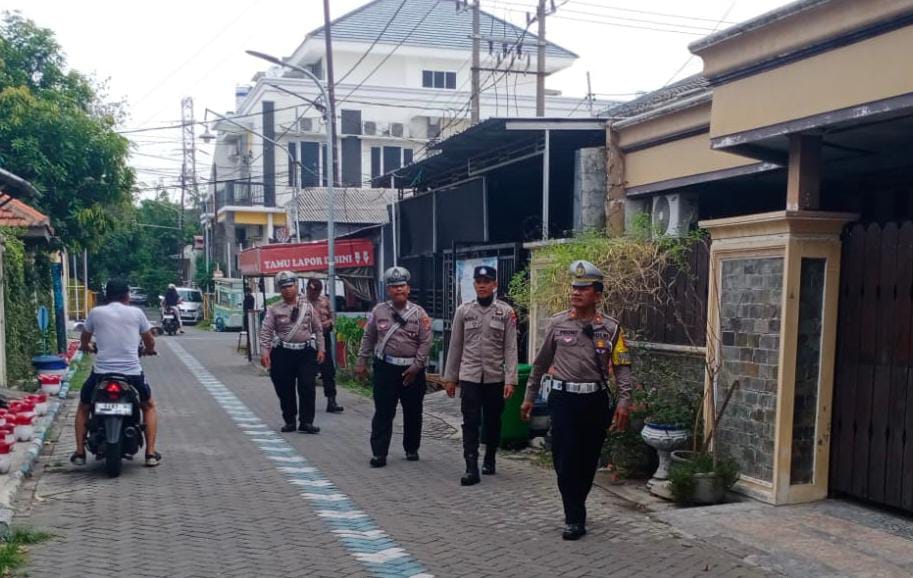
(439, 79)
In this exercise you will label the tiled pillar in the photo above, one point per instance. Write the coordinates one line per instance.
(772, 328)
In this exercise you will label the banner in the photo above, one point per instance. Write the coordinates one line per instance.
(304, 257)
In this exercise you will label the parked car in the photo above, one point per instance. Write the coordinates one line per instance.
(138, 296)
(191, 306)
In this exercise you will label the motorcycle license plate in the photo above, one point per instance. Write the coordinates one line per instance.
(113, 409)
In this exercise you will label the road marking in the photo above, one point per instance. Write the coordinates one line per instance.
(356, 530)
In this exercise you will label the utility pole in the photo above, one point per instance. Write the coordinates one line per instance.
(331, 90)
(541, 13)
(589, 93)
(463, 6)
(188, 172)
(476, 61)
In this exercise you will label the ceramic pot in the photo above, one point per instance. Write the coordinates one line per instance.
(664, 439)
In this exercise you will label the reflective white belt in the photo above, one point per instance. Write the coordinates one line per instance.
(401, 361)
(294, 346)
(572, 387)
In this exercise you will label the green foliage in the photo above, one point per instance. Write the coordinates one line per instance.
(13, 548)
(682, 475)
(634, 265)
(56, 131)
(675, 404)
(143, 248)
(629, 454)
(27, 286)
(350, 330)
(203, 277)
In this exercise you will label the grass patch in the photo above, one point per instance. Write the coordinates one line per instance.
(83, 368)
(14, 550)
(205, 324)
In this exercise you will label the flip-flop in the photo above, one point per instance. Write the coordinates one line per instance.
(78, 459)
(153, 460)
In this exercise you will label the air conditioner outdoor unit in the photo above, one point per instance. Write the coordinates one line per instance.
(306, 125)
(396, 129)
(673, 215)
(369, 128)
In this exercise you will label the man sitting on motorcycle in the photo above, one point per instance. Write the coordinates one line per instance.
(172, 300)
(118, 329)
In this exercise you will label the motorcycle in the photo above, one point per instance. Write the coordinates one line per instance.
(116, 430)
(170, 323)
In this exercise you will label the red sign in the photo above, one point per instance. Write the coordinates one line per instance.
(302, 257)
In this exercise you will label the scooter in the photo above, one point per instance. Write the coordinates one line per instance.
(116, 429)
(170, 323)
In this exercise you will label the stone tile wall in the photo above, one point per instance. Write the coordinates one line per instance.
(750, 310)
(808, 364)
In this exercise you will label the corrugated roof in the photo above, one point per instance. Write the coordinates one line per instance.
(443, 27)
(689, 86)
(365, 206)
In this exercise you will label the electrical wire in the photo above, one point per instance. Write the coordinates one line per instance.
(373, 44)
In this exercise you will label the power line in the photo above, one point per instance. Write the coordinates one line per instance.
(395, 48)
(666, 14)
(373, 44)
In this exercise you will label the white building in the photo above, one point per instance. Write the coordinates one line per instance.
(402, 79)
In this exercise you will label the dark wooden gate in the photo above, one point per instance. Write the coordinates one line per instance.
(872, 434)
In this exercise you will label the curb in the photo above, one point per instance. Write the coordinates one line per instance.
(10, 490)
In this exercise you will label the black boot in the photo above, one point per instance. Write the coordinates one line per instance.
(488, 465)
(332, 406)
(471, 477)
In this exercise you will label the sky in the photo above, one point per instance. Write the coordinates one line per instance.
(153, 54)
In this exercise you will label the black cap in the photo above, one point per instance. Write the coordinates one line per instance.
(486, 272)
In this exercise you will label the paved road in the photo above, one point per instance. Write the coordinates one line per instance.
(235, 498)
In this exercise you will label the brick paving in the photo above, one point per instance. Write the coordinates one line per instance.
(218, 506)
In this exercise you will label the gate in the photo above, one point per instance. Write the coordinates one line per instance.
(872, 432)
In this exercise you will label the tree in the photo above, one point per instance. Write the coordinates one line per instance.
(57, 132)
(144, 250)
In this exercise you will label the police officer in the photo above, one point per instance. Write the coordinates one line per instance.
(321, 304)
(291, 340)
(398, 337)
(581, 346)
(483, 358)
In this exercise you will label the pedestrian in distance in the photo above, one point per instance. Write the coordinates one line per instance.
(581, 346)
(291, 341)
(398, 338)
(482, 358)
(250, 303)
(321, 304)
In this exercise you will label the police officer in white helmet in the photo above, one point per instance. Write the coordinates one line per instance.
(291, 340)
(398, 339)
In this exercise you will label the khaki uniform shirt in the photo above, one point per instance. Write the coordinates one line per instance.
(322, 306)
(483, 344)
(278, 323)
(411, 340)
(568, 354)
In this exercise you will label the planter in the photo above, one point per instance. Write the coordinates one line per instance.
(708, 489)
(664, 439)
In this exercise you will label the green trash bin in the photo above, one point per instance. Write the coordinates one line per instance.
(515, 431)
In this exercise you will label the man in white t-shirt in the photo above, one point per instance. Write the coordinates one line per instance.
(118, 329)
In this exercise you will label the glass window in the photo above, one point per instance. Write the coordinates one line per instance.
(451, 80)
(427, 79)
(438, 79)
(191, 295)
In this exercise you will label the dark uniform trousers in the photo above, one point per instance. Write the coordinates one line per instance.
(481, 402)
(579, 423)
(291, 371)
(388, 391)
(328, 369)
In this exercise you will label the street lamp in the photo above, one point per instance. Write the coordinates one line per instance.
(331, 199)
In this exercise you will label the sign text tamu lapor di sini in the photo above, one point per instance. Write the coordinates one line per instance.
(352, 259)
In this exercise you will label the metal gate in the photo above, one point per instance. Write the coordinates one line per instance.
(872, 433)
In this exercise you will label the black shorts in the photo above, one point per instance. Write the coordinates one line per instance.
(137, 381)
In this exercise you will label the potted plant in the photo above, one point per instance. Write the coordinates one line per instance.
(670, 412)
(700, 478)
